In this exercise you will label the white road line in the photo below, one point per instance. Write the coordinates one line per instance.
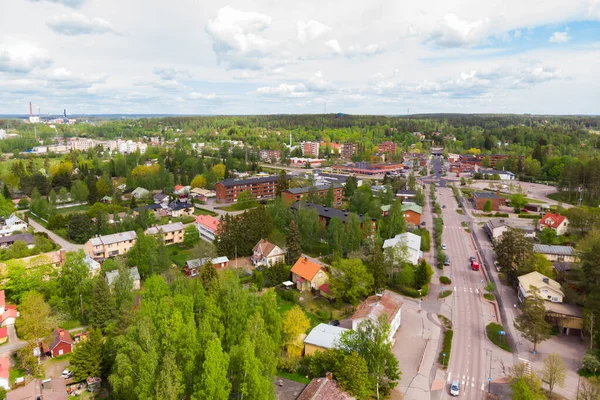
(455, 288)
(449, 375)
(483, 386)
(471, 290)
(477, 291)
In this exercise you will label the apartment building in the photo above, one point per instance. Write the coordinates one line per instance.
(261, 188)
(387, 147)
(107, 246)
(296, 194)
(269, 155)
(310, 149)
(207, 227)
(171, 233)
(81, 144)
(349, 150)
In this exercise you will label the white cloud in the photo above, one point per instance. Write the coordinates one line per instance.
(452, 31)
(171, 73)
(317, 83)
(311, 30)
(353, 50)
(334, 45)
(283, 90)
(559, 37)
(238, 39)
(67, 3)
(202, 96)
(22, 58)
(76, 24)
(517, 34)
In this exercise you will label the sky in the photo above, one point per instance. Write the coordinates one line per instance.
(280, 57)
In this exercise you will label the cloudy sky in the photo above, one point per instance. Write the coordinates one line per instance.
(266, 56)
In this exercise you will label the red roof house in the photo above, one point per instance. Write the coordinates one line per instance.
(207, 226)
(556, 222)
(3, 334)
(5, 372)
(9, 315)
(61, 343)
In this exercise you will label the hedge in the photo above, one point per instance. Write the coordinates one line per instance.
(503, 215)
(446, 349)
(529, 216)
(445, 280)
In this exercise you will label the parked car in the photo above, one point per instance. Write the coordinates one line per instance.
(455, 388)
(335, 322)
(444, 206)
(66, 374)
(444, 247)
(423, 223)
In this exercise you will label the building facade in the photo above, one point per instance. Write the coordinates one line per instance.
(228, 190)
(296, 194)
(107, 246)
(171, 233)
(269, 155)
(349, 150)
(387, 147)
(310, 149)
(207, 227)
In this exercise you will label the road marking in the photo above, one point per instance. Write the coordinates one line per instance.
(455, 288)
(470, 290)
(483, 386)
(449, 375)
(477, 291)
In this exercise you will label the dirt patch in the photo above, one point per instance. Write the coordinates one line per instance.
(54, 368)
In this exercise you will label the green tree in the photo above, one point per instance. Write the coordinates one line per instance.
(246, 376)
(371, 341)
(522, 391)
(329, 197)
(190, 236)
(213, 383)
(79, 191)
(293, 242)
(532, 320)
(350, 187)
(554, 371)
(63, 195)
(513, 250)
(353, 233)
(308, 226)
(283, 183)
(423, 274)
(547, 236)
(518, 201)
(36, 321)
(350, 280)
(313, 195)
(80, 228)
(353, 376)
(487, 206)
(6, 206)
(93, 195)
(75, 285)
(396, 223)
(169, 380)
(86, 360)
(103, 304)
(335, 236)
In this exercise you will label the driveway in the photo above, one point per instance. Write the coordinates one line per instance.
(55, 238)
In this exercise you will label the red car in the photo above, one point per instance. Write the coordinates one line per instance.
(474, 265)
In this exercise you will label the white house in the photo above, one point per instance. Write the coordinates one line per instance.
(504, 175)
(548, 288)
(407, 240)
(388, 303)
(12, 224)
(140, 192)
(495, 228)
(267, 253)
(556, 222)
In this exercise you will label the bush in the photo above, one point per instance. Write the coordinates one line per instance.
(502, 215)
(446, 348)
(445, 293)
(408, 291)
(489, 296)
(288, 295)
(529, 216)
(445, 280)
(492, 330)
(424, 290)
(324, 315)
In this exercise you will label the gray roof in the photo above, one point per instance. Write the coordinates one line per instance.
(167, 228)
(323, 211)
(112, 275)
(91, 263)
(262, 179)
(114, 238)
(306, 189)
(324, 335)
(558, 250)
(25, 237)
(407, 192)
(486, 195)
(495, 171)
(497, 223)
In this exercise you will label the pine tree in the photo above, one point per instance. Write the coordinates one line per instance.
(282, 183)
(103, 304)
(92, 189)
(6, 192)
(294, 248)
(86, 360)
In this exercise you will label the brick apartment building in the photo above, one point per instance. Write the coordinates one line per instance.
(387, 147)
(480, 198)
(349, 150)
(310, 149)
(269, 155)
(296, 194)
(261, 188)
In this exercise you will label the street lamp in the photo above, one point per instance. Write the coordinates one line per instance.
(443, 359)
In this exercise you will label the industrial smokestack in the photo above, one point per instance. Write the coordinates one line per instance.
(30, 110)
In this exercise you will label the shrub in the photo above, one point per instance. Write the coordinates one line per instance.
(289, 295)
(502, 215)
(445, 280)
(529, 216)
(446, 348)
(410, 292)
(445, 293)
(492, 330)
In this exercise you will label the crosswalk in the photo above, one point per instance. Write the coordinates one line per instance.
(466, 382)
(466, 289)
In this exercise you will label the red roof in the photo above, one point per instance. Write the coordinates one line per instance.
(178, 188)
(60, 335)
(9, 313)
(4, 367)
(2, 298)
(325, 288)
(552, 220)
(373, 307)
(207, 221)
(3, 332)
(306, 268)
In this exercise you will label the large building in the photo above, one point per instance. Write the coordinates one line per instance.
(171, 233)
(269, 155)
(107, 246)
(388, 303)
(296, 194)
(310, 149)
(349, 150)
(207, 227)
(387, 147)
(228, 190)
(367, 168)
(480, 198)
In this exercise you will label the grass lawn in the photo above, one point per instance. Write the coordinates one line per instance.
(489, 296)
(317, 251)
(15, 373)
(499, 340)
(203, 211)
(75, 209)
(503, 278)
(239, 206)
(459, 211)
(318, 309)
(296, 377)
(185, 220)
(69, 324)
(179, 255)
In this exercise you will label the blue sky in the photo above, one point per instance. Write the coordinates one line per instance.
(248, 57)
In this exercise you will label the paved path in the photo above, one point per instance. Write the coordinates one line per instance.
(14, 343)
(57, 239)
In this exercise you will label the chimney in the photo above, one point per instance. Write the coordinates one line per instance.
(328, 375)
(546, 280)
(305, 259)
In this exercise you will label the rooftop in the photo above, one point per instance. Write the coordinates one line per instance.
(324, 335)
(485, 195)
(167, 228)
(539, 281)
(409, 239)
(305, 268)
(25, 237)
(114, 238)
(373, 307)
(323, 211)
(208, 221)
(324, 389)
(263, 179)
(557, 250)
(306, 189)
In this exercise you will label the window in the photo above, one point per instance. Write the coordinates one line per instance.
(60, 352)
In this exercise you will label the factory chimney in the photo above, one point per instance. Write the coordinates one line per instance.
(30, 110)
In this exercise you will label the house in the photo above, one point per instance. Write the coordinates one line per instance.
(181, 208)
(171, 233)
(302, 161)
(140, 193)
(106, 200)
(181, 190)
(322, 337)
(557, 253)
(12, 224)
(406, 194)
(61, 343)
(8, 312)
(412, 213)
(7, 241)
(260, 187)
(385, 209)
(134, 274)
(93, 265)
(3, 335)
(480, 198)
(549, 289)
(387, 147)
(202, 195)
(193, 267)
(410, 241)
(207, 227)
(308, 275)
(324, 389)
(556, 222)
(102, 247)
(326, 214)
(495, 228)
(504, 175)
(37, 389)
(267, 253)
(162, 199)
(387, 303)
(5, 373)
(53, 258)
(296, 194)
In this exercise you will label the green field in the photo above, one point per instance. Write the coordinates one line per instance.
(203, 211)
(75, 209)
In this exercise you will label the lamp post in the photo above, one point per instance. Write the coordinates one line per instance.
(444, 360)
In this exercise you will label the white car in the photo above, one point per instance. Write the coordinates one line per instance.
(66, 374)
(444, 247)
(455, 388)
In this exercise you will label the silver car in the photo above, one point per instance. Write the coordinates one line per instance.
(455, 388)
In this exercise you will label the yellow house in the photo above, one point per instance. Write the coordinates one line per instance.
(103, 247)
(321, 338)
(171, 233)
(308, 275)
